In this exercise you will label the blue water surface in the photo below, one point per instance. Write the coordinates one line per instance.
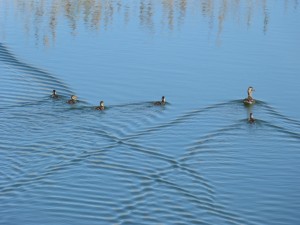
(195, 160)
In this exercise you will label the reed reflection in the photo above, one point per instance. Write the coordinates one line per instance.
(41, 18)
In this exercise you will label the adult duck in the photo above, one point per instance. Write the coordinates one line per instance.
(249, 100)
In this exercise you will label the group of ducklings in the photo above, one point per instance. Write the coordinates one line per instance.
(247, 101)
(73, 100)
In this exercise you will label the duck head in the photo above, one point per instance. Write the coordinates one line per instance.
(74, 97)
(250, 90)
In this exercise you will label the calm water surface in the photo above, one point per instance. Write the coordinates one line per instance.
(195, 160)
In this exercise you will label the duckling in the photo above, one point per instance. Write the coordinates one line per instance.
(54, 95)
(251, 118)
(101, 106)
(162, 102)
(73, 99)
(249, 100)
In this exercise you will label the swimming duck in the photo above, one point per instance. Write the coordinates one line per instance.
(54, 95)
(101, 106)
(72, 100)
(249, 100)
(251, 118)
(162, 102)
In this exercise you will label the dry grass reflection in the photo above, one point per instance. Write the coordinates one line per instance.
(42, 18)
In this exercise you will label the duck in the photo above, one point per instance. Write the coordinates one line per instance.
(249, 100)
(72, 100)
(162, 102)
(101, 106)
(54, 95)
(251, 118)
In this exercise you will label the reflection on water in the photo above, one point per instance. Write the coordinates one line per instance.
(196, 160)
(42, 18)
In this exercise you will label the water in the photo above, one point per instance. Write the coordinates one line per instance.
(195, 160)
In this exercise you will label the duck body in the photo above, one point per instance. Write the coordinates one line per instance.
(71, 102)
(159, 103)
(249, 101)
(100, 108)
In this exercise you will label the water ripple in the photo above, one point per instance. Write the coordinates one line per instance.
(133, 162)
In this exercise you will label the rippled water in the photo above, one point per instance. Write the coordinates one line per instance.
(195, 160)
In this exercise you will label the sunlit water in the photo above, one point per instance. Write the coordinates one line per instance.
(195, 160)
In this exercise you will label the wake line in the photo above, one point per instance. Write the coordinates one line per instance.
(29, 79)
